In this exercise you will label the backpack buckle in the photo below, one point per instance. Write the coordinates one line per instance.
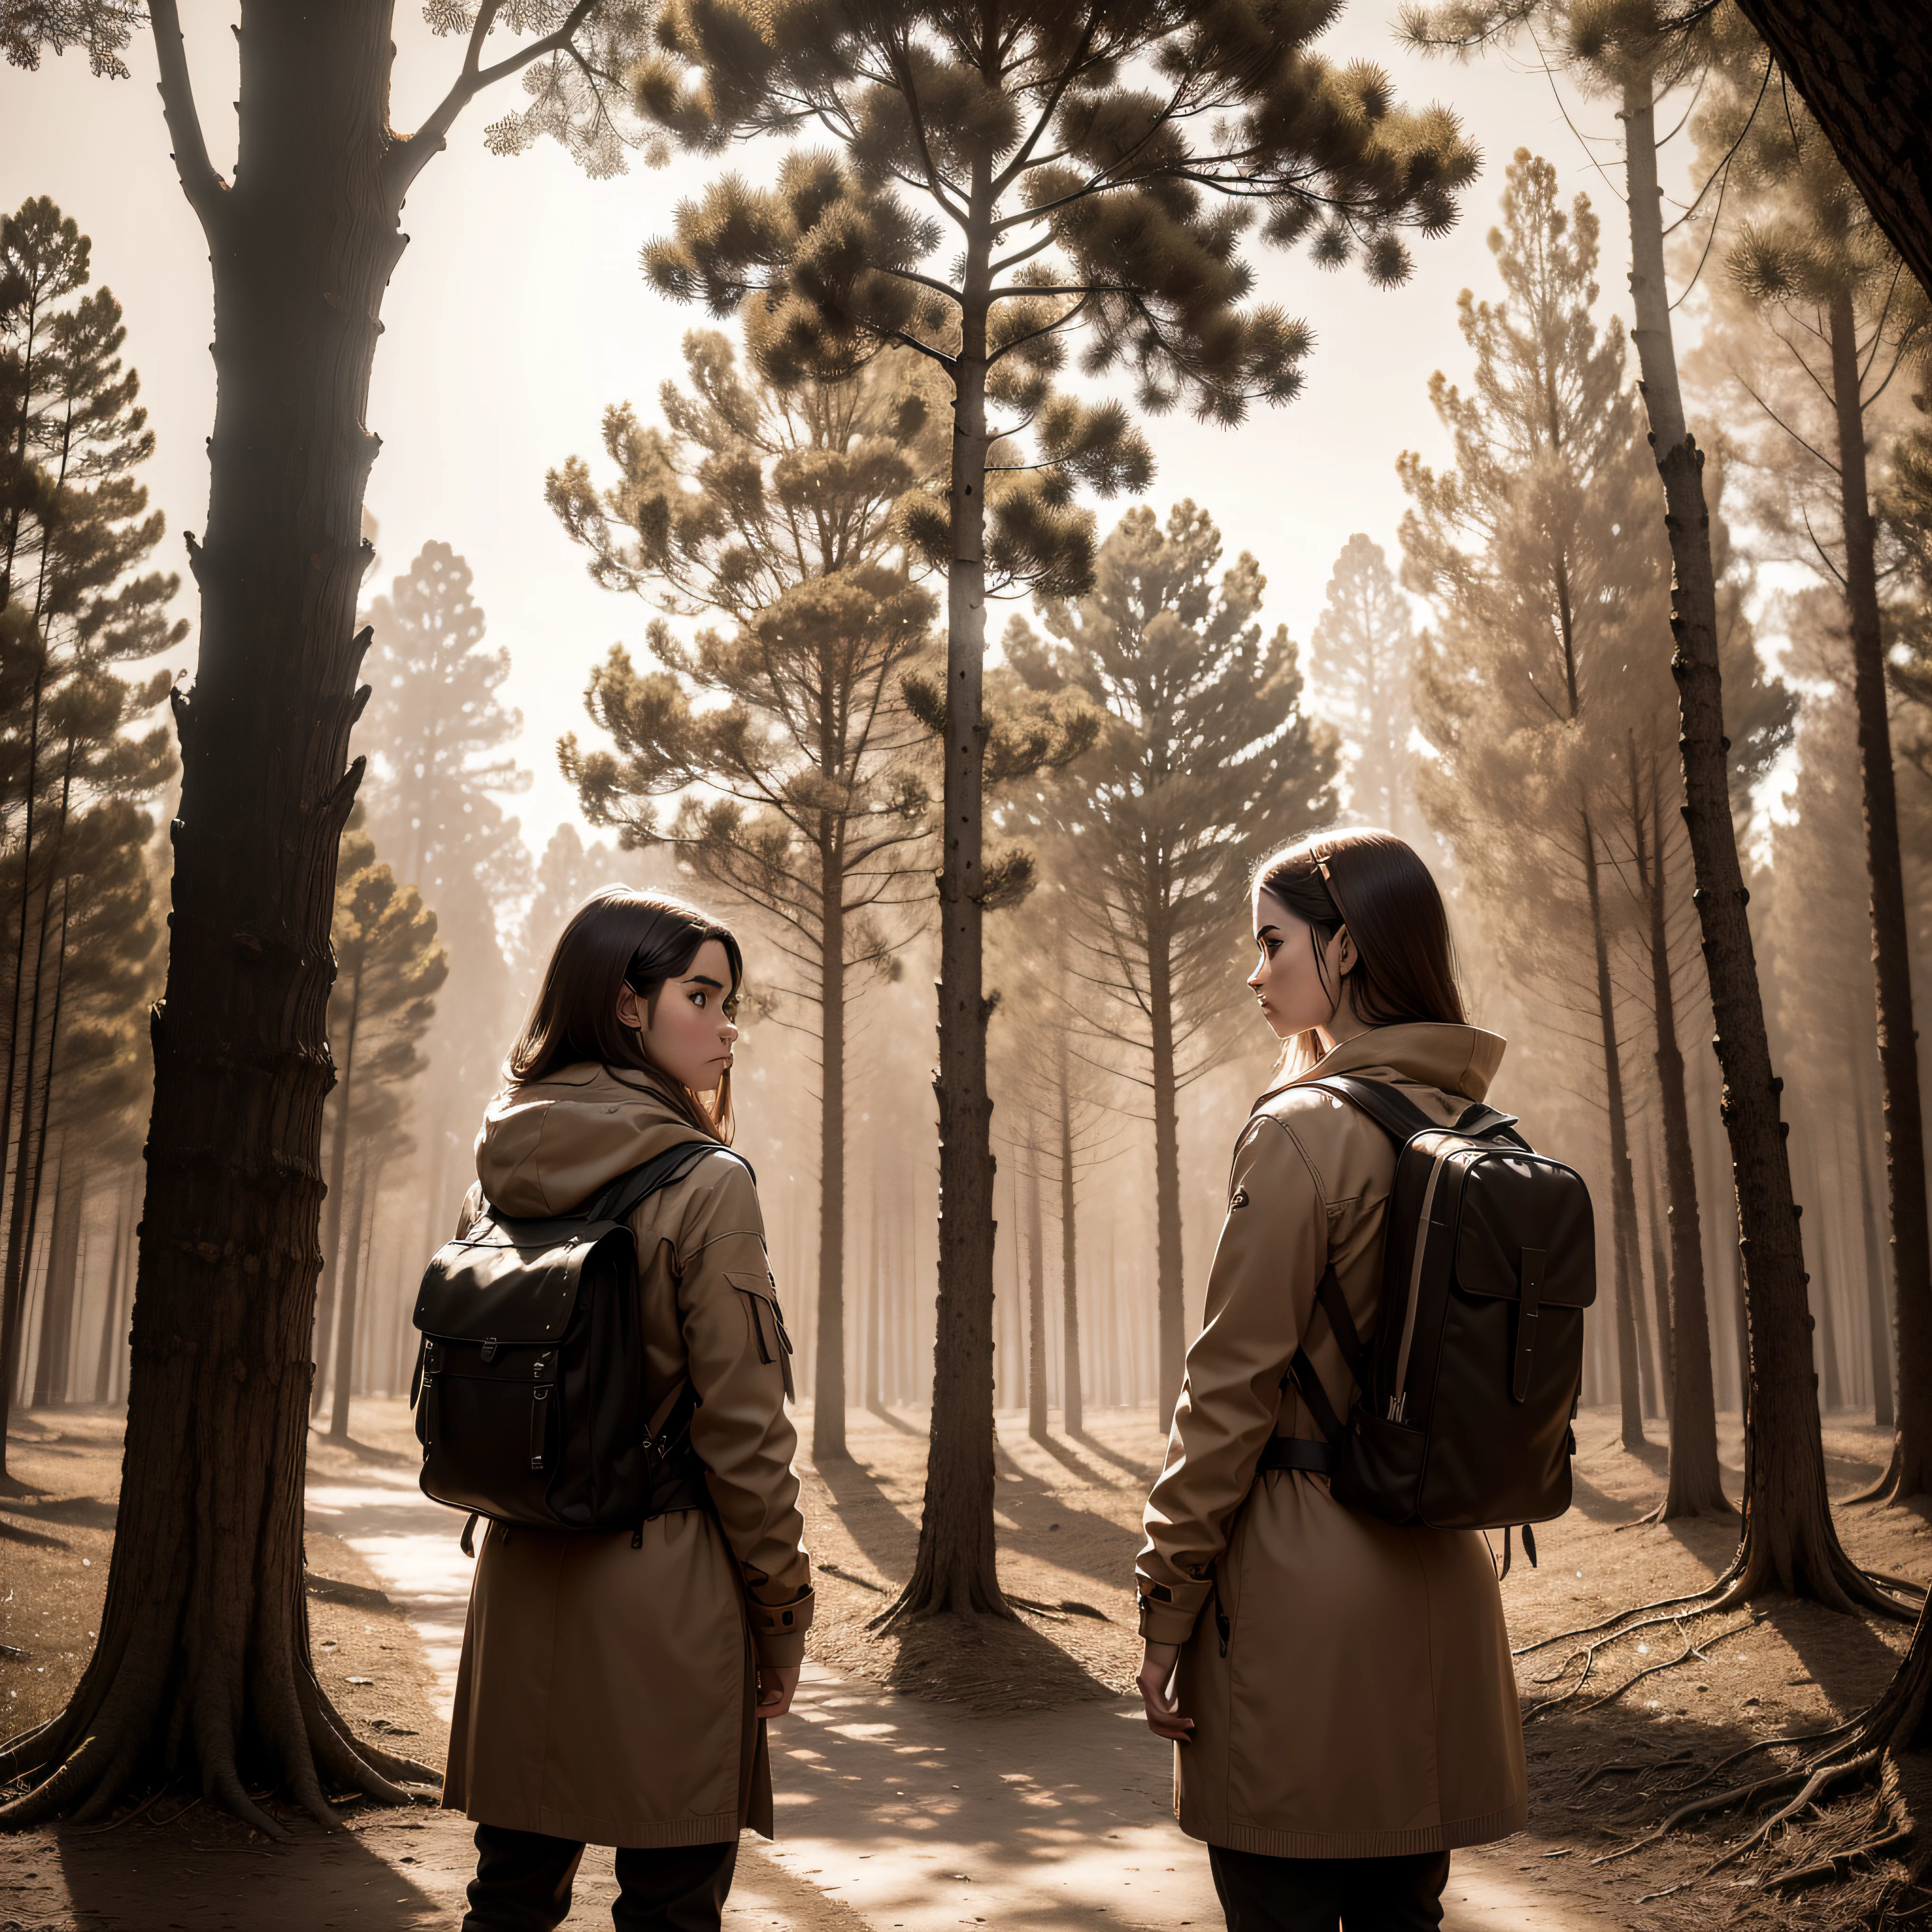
(489, 1349)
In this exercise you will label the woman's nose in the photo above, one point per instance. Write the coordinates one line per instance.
(1255, 978)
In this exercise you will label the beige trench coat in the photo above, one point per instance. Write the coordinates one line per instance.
(606, 1694)
(1364, 1704)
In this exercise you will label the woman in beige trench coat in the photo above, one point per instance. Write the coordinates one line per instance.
(1339, 1690)
(609, 1693)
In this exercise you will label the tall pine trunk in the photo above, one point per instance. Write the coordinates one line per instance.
(1659, 1279)
(202, 1670)
(1789, 1542)
(1878, 1315)
(345, 1316)
(828, 1394)
(53, 1365)
(1623, 1182)
(1037, 1377)
(112, 1316)
(337, 1199)
(1072, 1396)
(1694, 1485)
(1168, 1302)
(954, 1567)
(1900, 1112)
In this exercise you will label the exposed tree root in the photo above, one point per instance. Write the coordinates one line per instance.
(1813, 1788)
(1885, 1490)
(1663, 1512)
(1692, 1648)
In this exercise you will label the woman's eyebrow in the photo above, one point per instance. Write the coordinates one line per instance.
(1262, 932)
(700, 979)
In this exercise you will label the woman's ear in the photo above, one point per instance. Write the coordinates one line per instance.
(1345, 951)
(630, 1011)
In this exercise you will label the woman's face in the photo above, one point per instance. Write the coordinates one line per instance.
(1287, 980)
(690, 1035)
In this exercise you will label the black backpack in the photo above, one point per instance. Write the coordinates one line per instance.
(529, 1381)
(1466, 1391)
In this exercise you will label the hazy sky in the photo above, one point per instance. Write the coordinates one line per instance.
(518, 312)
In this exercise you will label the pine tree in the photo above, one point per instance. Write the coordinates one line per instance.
(998, 176)
(75, 528)
(437, 728)
(1206, 760)
(389, 970)
(772, 505)
(1635, 52)
(202, 1665)
(1359, 664)
(1533, 549)
(1806, 261)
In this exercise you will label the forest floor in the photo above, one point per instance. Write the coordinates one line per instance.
(1068, 1514)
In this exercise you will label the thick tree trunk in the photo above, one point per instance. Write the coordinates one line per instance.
(1789, 1542)
(202, 1669)
(954, 1568)
(828, 1392)
(1865, 67)
(1900, 1111)
(1037, 1377)
(1883, 1408)
(1694, 1485)
(1072, 1395)
(1623, 1182)
(345, 1318)
(1170, 1319)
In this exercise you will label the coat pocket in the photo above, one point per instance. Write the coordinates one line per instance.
(767, 1323)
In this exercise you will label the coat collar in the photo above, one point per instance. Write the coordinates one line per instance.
(1432, 1053)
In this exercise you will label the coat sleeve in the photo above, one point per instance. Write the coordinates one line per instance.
(1261, 1292)
(740, 1369)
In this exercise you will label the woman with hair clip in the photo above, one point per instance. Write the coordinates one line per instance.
(1339, 1690)
(614, 1687)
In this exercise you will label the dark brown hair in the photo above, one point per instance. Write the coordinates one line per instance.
(617, 938)
(1375, 884)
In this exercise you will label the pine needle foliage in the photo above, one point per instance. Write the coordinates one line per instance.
(786, 732)
(1206, 760)
(998, 188)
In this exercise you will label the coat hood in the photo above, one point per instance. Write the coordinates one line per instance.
(1432, 1053)
(546, 1147)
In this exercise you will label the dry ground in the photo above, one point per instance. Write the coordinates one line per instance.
(1068, 1512)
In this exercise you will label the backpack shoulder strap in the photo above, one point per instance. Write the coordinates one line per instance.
(1391, 1108)
(629, 1192)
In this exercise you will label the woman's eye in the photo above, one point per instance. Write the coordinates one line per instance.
(697, 999)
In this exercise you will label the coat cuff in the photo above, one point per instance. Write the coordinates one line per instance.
(777, 1630)
(1169, 1611)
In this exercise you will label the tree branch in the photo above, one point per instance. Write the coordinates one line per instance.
(408, 158)
(203, 187)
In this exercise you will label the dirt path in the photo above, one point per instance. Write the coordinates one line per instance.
(918, 1789)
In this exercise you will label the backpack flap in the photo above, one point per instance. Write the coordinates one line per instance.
(510, 1281)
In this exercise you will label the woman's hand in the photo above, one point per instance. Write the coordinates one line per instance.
(1163, 1712)
(778, 1684)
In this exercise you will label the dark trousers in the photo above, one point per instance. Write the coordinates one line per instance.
(1260, 1893)
(523, 1880)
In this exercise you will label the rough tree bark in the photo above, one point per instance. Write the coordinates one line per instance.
(338, 1193)
(954, 1567)
(828, 1391)
(1694, 1484)
(1865, 67)
(203, 1671)
(1789, 1542)
(1623, 1183)
(1910, 1474)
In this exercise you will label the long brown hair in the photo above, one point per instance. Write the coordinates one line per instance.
(1374, 883)
(617, 938)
